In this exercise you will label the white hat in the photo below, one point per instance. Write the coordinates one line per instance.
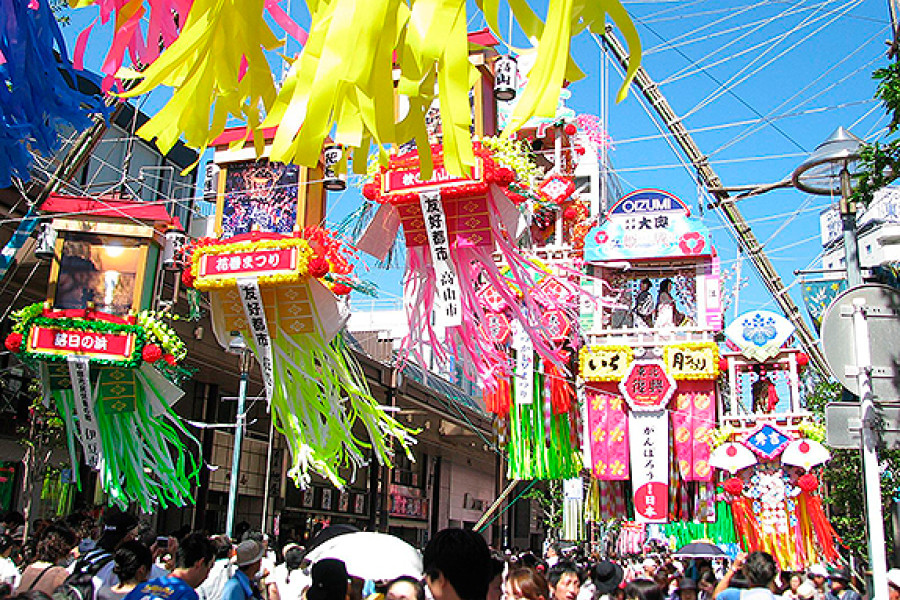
(818, 570)
(893, 577)
(648, 563)
(806, 591)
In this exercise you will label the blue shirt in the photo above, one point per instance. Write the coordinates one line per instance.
(238, 587)
(163, 588)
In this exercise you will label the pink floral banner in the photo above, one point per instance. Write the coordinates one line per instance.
(692, 423)
(608, 430)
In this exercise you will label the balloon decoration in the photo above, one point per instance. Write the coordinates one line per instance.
(216, 66)
(281, 294)
(36, 100)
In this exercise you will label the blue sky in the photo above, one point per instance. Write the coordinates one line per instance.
(759, 83)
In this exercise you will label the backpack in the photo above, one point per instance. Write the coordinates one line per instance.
(79, 585)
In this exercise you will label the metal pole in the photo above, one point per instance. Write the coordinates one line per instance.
(238, 438)
(848, 225)
(871, 471)
(265, 511)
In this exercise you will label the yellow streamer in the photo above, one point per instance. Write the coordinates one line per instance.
(343, 82)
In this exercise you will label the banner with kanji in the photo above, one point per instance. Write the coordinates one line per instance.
(608, 431)
(648, 434)
(692, 422)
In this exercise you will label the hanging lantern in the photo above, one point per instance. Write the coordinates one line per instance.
(334, 179)
(46, 242)
(175, 240)
(506, 75)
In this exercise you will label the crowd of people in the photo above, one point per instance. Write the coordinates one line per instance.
(121, 558)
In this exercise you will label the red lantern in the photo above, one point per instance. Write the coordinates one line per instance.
(151, 353)
(14, 342)
(318, 267)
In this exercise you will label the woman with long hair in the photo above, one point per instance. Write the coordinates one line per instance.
(48, 570)
(526, 584)
(133, 562)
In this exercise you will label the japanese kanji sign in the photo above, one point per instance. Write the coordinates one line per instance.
(448, 297)
(524, 373)
(648, 434)
(248, 264)
(692, 360)
(89, 433)
(495, 328)
(556, 324)
(93, 344)
(647, 386)
(259, 330)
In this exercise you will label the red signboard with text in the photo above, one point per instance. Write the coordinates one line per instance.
(95, 344)
(646, 385)
(249, 264)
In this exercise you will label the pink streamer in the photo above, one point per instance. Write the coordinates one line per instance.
(286, 22)
(80, 45)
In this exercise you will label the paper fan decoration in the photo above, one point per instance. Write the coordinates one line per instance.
(732, 457)
(805, 453)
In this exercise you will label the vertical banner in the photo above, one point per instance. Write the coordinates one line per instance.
(524, 373)
(649, 444)
(259, 330)
(692, 421)
(88, 432)
(448, 303)
(573, 510)
(607, 435)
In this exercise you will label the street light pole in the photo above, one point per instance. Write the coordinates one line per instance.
(245, 357)
(848, 226)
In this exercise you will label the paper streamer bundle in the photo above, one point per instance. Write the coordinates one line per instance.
(36, 99)
(107, 376)
(343, 86)
(281, 293)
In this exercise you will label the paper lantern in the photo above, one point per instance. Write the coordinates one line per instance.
(335, 179)
(46, 242)
(175, 240)
(506, 78)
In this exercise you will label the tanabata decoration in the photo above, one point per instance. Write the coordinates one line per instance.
(452, 226)
(281, 294)
(37, 99)
(111, 378)
(217, 69)
(777, 508)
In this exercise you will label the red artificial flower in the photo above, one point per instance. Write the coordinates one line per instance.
(170, 360)
(187, 278)
(318, 267)
(151, 353)
(570, 214)
(14, 342)
(341, 289)
(808, 482)
(734, 486)
(570, 129)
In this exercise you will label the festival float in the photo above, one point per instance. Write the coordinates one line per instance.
(650, 364)
(277, 284)
(106, 359)
(769, 449)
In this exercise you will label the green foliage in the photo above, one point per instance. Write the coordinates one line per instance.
(843, 478)
(879, 163)
(550, 498)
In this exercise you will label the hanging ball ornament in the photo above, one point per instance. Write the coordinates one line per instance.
(318, 267)
(151, 353)
(734, 486)
(13, 342)
(802, 359)
(570, 129)
(570, 214)
(723, 364)
(808, 482)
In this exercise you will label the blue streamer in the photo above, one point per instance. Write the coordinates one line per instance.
(38, 87)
